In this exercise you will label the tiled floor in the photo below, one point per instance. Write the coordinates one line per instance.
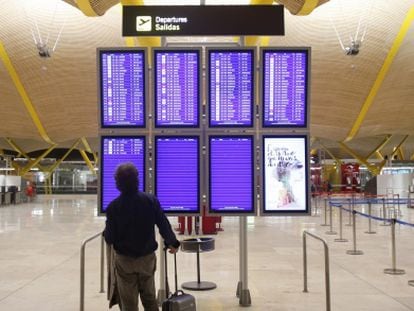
(39, 261)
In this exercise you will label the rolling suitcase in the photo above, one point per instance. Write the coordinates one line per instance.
(178, 301)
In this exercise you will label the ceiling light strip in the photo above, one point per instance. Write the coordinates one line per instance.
(86, 8)
(308, 7)
(382, 73)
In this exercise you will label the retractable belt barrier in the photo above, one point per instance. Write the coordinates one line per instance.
(392, 221)
(371, 200)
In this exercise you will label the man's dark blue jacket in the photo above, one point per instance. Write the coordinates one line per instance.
(130, 221)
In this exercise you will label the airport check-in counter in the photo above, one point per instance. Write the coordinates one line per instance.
(5, 198)
(18, 197)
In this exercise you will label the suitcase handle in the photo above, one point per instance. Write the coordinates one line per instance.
(175, 272)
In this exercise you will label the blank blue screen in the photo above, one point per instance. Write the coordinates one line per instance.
(177, 174)
(231, 174)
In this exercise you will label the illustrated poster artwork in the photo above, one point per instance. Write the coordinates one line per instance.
(285, 174)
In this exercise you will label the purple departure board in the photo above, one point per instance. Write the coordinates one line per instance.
(231, 169)
(122, 88)
(177, 174)
(285, 88)
(285, 175)
(114, 151)
(177, 88)
(230, 87)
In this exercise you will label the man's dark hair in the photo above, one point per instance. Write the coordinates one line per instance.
(126, 178)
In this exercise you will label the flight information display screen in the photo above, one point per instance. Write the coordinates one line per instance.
(230, 87)
(122, 88)
(285, 174)
(231, 171)
(177, 172)
(114, 151)
(285, 88)
(177, 88)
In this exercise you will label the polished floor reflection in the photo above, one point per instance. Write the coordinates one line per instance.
(40, 246)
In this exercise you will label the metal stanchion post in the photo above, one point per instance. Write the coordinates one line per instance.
(340, 239)
(325, 211)
(315, 205)
(394, 269)
(305, 264)
(354, 251)
(330, 232)
(369, 220)
(384, 214)
(399, 207)
(350, 213)
(102, 263)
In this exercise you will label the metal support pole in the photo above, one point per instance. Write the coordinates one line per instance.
(399, 206)
(341, 239)
(327, 273)
(325, 211)
(244, 299)
(394, 269)
(239, 283)
(330, 232)
(102, 263)
(369, 220)
(354, 251)
(384, 213)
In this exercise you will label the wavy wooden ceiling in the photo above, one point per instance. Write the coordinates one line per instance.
(62, 88)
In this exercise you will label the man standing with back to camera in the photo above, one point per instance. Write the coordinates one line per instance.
(130, 222)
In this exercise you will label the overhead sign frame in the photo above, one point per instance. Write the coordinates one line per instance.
(206, 20)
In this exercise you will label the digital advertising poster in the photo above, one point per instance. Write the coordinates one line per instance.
(285, 174)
